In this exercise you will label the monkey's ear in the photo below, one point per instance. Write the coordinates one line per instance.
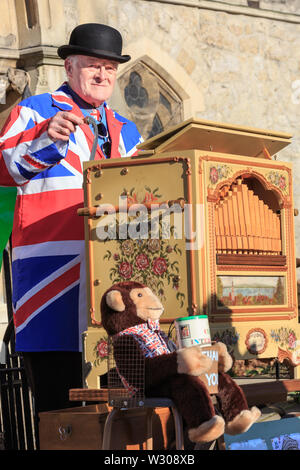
(114, 300)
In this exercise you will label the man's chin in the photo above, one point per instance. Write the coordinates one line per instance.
(95, 99)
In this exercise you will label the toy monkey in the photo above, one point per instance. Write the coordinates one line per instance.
(130, 315)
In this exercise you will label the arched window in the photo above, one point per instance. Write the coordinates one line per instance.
(151, 103)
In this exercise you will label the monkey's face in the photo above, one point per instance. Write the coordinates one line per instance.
(148, 306)
(144, 303)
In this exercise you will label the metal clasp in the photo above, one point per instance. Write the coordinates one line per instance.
(64, 432)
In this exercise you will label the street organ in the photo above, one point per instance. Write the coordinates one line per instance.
(204, 217)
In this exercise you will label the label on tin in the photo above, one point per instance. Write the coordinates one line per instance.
(192, 331)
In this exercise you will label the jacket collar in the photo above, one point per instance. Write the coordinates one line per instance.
(62, 99)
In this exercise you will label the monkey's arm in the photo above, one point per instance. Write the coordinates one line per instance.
(132, 363)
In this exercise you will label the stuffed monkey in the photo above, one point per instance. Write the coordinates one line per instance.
(130, 314)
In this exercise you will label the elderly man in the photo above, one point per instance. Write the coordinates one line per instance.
(42, 147)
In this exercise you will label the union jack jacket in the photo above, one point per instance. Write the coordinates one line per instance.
(48, 264)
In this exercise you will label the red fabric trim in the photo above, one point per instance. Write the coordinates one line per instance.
(34, 163)
(114, 129)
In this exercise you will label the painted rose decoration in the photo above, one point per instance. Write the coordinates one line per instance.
(218, 172)
(142, 261)
(286, 338)
(278, 179)
(159, 266)
(151, 261)
(100, 351)
(125, 270)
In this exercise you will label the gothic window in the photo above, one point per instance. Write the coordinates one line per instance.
(151, 103)
(157, 127)
(135, 93)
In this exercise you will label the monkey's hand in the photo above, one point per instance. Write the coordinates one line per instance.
(225, 360)
(192, 361)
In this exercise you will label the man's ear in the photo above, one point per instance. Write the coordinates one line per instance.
(68, 66)
(114, 301)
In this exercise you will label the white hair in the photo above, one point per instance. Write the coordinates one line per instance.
(72, 59)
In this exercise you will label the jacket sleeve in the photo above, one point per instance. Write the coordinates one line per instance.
(25, 148)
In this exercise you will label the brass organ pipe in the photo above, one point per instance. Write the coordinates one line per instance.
(268, 228)
(245, 224)
(262, 220)
(242, 216)
(258, 224)
(226, 227)
(231, 222)
(236, 220)
(247, 215)
(252, 222)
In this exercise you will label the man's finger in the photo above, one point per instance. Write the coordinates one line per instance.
(54, 136)
(72, 117)
(66, 126)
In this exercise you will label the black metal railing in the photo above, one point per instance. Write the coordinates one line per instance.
(17, 420)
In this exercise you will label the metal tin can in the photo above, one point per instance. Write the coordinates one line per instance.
(193, 331)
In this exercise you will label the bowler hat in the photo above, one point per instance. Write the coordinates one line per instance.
(97, 40)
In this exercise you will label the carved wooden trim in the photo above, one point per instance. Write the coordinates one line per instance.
(188, 173)
(253, 260)
(91, 253)
(246, 268)
(232, 318)
(284, 200)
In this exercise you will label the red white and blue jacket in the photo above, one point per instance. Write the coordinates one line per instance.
(48, 265)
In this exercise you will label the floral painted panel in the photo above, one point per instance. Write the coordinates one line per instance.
(100, 350)
(288, 344)
(150, 261)
(278, 179)
(219, 172)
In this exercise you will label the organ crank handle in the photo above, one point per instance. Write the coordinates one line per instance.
(109, 209)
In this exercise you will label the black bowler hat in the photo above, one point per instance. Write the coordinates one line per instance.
(96, 40)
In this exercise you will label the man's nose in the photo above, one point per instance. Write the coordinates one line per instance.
(101, 73)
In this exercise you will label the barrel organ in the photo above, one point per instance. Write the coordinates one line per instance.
(242, 270)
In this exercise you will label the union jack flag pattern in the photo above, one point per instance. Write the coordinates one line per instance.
(152, 341)
(48, 264)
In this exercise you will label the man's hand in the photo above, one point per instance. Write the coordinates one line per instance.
(62, 125)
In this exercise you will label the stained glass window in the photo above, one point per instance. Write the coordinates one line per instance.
(135, 93)
(151, 103)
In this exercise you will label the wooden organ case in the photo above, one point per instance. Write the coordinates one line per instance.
(234, 258)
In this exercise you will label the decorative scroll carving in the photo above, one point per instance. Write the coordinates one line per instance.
(14, 79)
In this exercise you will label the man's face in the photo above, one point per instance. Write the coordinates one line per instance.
(92, 78)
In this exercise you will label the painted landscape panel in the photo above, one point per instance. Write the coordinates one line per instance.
(250, 290)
